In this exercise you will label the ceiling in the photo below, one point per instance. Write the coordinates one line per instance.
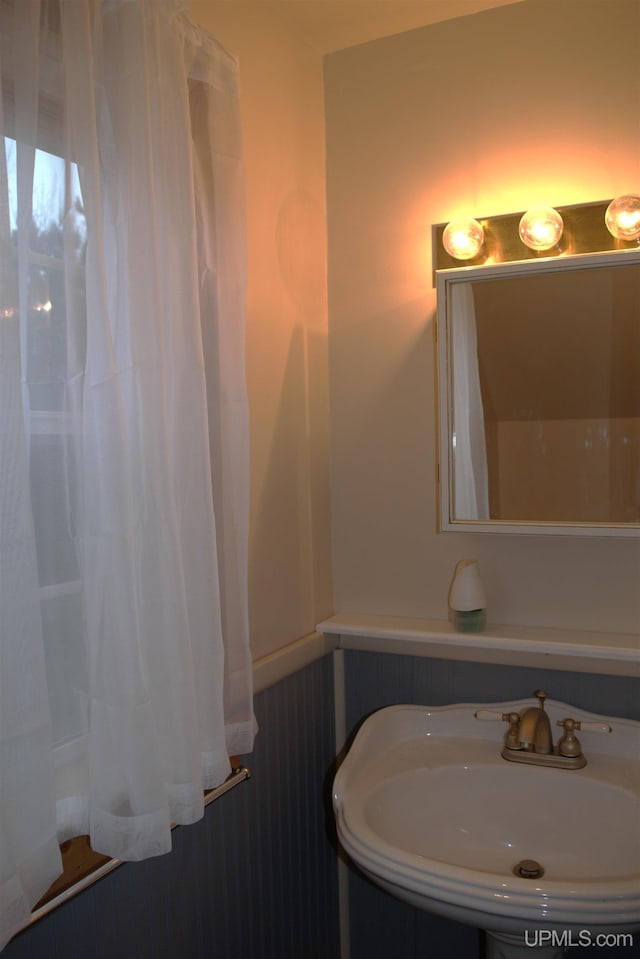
(333, 24)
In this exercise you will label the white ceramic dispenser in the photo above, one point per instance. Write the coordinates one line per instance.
(467, 601)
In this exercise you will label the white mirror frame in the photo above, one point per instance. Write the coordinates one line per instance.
(445, 282)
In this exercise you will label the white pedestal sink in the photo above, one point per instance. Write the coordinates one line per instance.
(428, 808)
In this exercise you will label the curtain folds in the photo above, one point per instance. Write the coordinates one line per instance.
(125, 665)
(470, 470)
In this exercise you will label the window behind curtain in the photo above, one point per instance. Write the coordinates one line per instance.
(122, 565)
(52, 335)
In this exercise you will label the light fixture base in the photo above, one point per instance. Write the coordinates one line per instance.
(585, 231)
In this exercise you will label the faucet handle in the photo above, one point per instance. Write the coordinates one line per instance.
(569, 744)
(587, 726)
(491, 715)
(512, 737)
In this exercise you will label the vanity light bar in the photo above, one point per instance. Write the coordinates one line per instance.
(598, 227)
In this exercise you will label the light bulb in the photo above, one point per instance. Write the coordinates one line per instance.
(623, 217)
(463, 239)
(541, 228)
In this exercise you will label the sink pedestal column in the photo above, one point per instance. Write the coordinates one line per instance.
(501, 945)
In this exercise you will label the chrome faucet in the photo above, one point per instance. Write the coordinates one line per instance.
(529, 738)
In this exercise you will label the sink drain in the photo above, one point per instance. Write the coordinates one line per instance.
(528, 869)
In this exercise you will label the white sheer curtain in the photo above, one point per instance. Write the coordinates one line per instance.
(125, 678)
(470, 475)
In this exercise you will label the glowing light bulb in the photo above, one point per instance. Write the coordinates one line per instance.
(623, 217)
(541, 228)
(463, 239)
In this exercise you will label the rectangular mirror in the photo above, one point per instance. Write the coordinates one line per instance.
(539, 395)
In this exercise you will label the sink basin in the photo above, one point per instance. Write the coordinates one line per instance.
(427, 807)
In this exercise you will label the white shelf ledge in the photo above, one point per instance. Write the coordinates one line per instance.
(616, 654)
